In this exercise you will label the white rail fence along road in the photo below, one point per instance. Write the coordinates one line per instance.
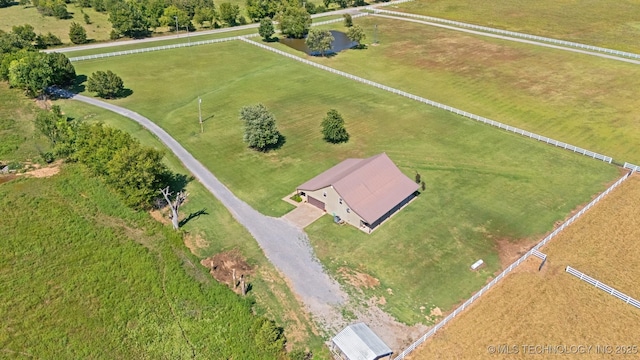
(534, 251)
(606, 288)
(510, 33)
(500, 125)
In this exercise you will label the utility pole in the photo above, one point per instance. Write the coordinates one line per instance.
(177, 28)
(188, 38)
(200, 114)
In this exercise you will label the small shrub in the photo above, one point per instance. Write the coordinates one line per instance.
(348, 21)
(296, 198)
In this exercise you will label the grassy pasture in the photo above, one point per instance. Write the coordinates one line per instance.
(602, 23)
(85, 277)
(220, 233)
(583, 100)
(98, 30)
(476, 193)
(17, 142)
(552, 307)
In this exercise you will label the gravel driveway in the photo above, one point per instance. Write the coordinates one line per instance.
(286, 246)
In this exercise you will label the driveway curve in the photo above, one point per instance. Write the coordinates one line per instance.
(286, 246)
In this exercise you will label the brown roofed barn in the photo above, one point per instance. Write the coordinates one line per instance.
(361, 192)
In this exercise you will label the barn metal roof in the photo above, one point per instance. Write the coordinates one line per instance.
(370, 187)
(358, 342)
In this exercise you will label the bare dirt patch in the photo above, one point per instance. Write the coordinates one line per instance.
(357, 279)
(6, 178)
(222, 267)
(42, 172)
(159, 216)
(510, 251)
(195, 242)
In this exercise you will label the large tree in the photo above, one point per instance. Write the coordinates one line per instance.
(24, 32)
(63, 71)
(260, 9)
(355, 33)
(136, 172)
(294, 22)
(130, 19)
(31, 73)
(203, 15)
(172, 13)
(266, 29)
(105, 84)
(333, 128)
(77, 33)
(260, 130)
(229, 13)
(319, 41)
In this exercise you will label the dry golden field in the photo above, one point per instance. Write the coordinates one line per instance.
(554, 309)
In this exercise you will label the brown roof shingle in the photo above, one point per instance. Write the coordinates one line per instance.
(370, 187)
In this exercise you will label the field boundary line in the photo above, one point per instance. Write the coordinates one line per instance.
(438, 105)
(604, 287)
(192, 43)
(506, 271)
(487, 29)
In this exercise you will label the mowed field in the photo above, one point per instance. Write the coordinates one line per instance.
(552, 307)
(98, 30)
(584, 100)
(482, 185)
(595, 22)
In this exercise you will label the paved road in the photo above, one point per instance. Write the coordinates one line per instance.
(286, 246)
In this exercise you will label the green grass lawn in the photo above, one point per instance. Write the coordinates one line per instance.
(85, 277)
(98, 30)
(596, 22)
(583, 100)
(483, 184)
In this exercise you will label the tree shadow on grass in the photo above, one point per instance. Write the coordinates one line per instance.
(78, 84)
(280, 143)
(193, 215)
(177, 182)
(124, 93)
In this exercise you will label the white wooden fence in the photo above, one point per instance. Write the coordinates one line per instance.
(534, 251)
(510, 33)
(604, 287)
(497, 124)
(632, 167)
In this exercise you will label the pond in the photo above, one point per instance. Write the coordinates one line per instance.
(340, 42)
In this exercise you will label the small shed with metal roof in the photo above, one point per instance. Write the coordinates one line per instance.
(359, 342)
